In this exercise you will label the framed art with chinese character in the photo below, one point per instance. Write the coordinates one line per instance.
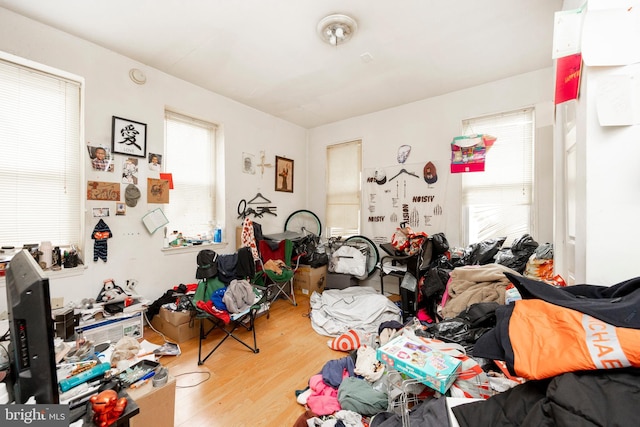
(284, 174)
(128, 137)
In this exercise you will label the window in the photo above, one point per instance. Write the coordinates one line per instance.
(498, 202)
(344, 166)
(40, 164)
(190, 156)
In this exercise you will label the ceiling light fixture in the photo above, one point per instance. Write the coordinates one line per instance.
(336, 29)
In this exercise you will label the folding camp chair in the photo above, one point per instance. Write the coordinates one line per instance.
(212, 319)
(276, 268)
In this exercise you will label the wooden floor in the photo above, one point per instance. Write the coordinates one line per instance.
(248, 389)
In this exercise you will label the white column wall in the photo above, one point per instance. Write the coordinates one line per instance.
(612, 188)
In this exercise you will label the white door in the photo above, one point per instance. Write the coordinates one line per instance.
(566, 197)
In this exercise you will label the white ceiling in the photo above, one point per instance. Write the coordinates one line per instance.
(267, 54)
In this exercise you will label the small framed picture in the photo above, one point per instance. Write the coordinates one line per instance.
(128, 137)
(100, 212)
(155, 162)
(284, 174)
(248, 163)
(101, 158)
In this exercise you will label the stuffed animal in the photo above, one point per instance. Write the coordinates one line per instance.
(130, 287)
(110, 292)
(107, 407)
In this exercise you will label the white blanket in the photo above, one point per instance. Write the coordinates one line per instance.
(336, 311)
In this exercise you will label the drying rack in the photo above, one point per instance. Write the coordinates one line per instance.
(403, 394)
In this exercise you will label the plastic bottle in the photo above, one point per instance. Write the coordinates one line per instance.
(47, 254)
(69, 383)
(165, 242)
(217, 234)
(55, 256)
(80, 340)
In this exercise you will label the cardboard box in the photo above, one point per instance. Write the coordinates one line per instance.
(238, 237)
(174, 327)
(175, 318)
(340, 281)
(431, 367)
(113, 328)
(157, 404)
(308, 280)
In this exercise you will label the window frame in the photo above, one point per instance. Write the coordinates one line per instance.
(353, 200)
(475, 126)
(213, 128)
(74, 144)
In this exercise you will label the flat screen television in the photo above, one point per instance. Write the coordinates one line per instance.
(32, 369)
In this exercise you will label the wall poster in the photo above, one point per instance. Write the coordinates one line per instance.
(411, 193)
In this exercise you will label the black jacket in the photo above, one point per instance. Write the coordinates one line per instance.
(595, 398)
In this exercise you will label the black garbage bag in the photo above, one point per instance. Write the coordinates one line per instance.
(479, 253)
(451, 330)
(518, 254)
(307, 249)
(484, 252)
(305, 245)
(455, 330)
(440, 244)
(466, 328)
(315, 259)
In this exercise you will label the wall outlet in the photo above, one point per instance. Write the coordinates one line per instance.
(57, 303)
(4, 315)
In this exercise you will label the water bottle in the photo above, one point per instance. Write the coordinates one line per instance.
(217, 234)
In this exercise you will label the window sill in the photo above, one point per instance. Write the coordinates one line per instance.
(59, 274)
(193, 248)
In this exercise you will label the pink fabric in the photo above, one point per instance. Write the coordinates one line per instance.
(445, 295)
(423, 316)
(323, 399)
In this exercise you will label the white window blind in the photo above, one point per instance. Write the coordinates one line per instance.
(190, 157)
(40, 157)
(344, 170)
(498, 202)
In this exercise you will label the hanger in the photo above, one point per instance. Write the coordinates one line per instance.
(250, 211)
(259, 196)
(403, 170)
(267, 210)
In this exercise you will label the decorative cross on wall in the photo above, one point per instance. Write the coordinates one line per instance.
(262, 164)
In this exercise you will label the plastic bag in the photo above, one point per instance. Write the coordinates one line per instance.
(407, 241)
(307, 249)
(518, 254)
(484, 252)
(348, 260)
(440, 244)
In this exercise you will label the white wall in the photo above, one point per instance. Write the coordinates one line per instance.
(429, 126)
(612, 187)
(133, 253)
